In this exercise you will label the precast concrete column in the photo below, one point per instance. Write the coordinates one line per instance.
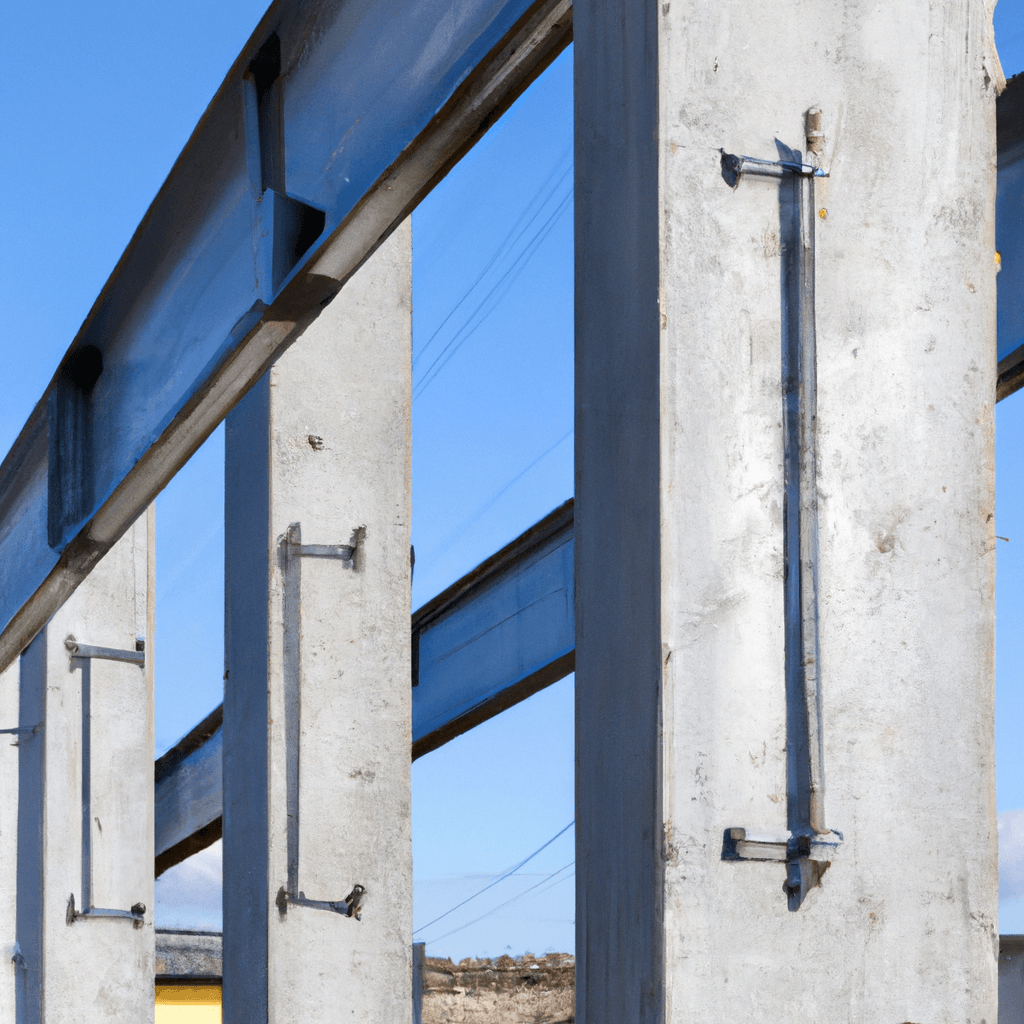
(85, 949)
(317, 706)
(9, 679)
(709, 885)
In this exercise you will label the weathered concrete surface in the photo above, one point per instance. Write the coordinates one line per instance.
(324, 442)
(99, 969)
(9, 679)
(681, 712)
(503, 991)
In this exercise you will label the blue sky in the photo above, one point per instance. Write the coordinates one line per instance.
(100, 100)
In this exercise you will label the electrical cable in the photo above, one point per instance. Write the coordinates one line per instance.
(507, 243)
(501, 906)
(477, 515)
(500, 878)
(503, 285)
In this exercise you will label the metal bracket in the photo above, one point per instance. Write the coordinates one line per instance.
(137, 915)
(350, 906)
(807, 851)
(734, 166)
(136, 657)
(294, 550)
(802, 875)
(807, 857)
(86, 655)
(22, 730)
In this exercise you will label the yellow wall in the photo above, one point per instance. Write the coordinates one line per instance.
(188, 1004)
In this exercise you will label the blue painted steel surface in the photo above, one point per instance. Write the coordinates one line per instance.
(1010, 222)
(189, 797)
(335, 120)
(507, 628)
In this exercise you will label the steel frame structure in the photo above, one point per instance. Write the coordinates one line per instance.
(49, 540)
(289, 183)
(328, 130)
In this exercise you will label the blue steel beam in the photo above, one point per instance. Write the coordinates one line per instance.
(498, 635)
(495, 637)
(189, 793)
(333, 123)
(1010, 235)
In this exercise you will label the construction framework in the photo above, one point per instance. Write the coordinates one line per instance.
(284, 218)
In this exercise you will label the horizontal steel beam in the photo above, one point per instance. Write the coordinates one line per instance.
(189, 793)
(333, 123)
(1010, 236)
(498, 635)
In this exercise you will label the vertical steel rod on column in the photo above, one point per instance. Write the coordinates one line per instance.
(86, 666)
(801, 457)
(800, 516)
(292, 615)
(84, 654)
(294, 550)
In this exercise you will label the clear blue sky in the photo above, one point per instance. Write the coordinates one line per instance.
(99, 100)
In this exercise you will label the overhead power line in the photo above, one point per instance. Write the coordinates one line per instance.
(498, 291)
(500, 878)
(475, 517)
(518, 896)
(508, 242)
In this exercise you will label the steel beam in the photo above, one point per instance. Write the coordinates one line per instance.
(1010, 235)
(498, 635)
(189, 799)
(334, 122)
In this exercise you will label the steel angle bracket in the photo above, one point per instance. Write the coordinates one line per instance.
(137, 914)
(87, 651)
(807, 857)
(350, 906)
(734, 167)
(294, 548)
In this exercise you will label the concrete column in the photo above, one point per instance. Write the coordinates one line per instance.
(85, 801)
(9, 679)
(688, 724)
(317, 708)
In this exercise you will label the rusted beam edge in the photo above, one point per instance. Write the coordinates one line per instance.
(539, 36)
(546, 676)
(499, 564)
